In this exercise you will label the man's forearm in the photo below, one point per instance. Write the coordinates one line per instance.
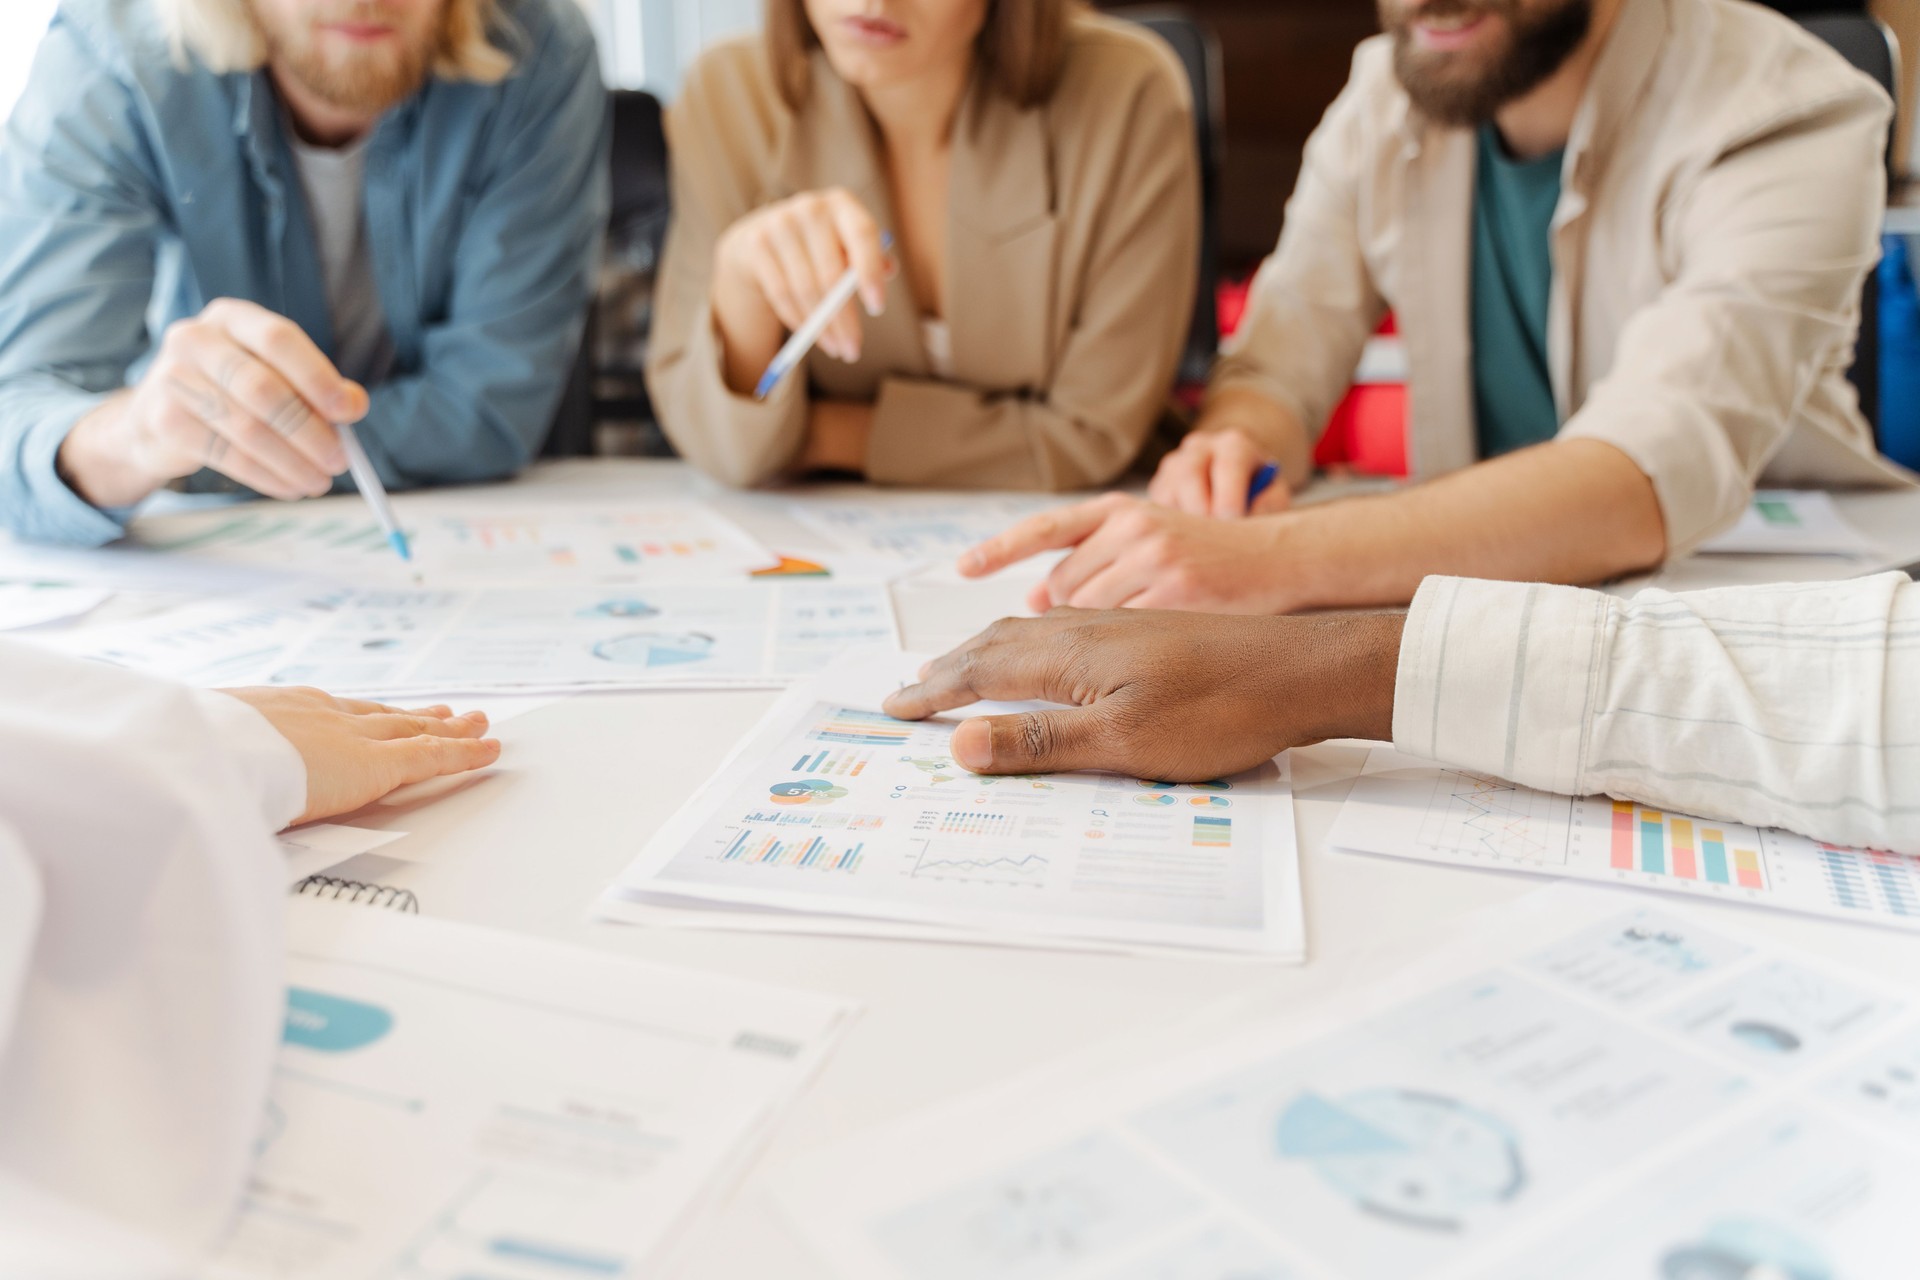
(1572, 511)
(1267, 423)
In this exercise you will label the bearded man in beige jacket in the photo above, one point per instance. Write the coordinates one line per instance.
(1624, 241)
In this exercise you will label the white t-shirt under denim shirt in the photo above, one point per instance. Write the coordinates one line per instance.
(334, 179)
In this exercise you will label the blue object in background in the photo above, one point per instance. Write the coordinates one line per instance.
(1899, 354)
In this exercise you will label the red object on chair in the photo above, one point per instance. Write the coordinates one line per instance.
(1368, 430)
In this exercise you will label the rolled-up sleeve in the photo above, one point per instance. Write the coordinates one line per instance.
(1794, 706)
(79, 218)
(1769, 246)
(493, 371)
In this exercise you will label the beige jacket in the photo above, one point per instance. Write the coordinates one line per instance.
(1072, 243)
(1720, 206)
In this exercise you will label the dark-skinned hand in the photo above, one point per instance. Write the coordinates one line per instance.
(1181, 696)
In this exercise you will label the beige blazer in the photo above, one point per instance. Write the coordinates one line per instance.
(1072, 243)
(1720, 206)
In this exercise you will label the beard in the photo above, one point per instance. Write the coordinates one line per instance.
(1452, 88)
(369, 80)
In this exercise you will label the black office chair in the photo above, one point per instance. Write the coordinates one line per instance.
(1865, 42)
(1199, 53)
(608, 383)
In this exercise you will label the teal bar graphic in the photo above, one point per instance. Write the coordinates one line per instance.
(1653, 847)
(1715, 852)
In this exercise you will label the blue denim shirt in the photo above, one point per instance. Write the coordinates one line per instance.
(133, 191)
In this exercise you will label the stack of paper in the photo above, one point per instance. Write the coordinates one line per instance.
(452, 1101)
(1584, 1089)
(33, 604)
(920, 527)
(1406, 807)
(831, 817)
(414, 643)
(502, 542)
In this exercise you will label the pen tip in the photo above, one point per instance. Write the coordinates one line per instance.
(399, 542)
(767, 384)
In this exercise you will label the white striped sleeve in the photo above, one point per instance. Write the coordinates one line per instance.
(1795, 706)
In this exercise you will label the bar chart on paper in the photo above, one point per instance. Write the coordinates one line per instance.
(1411, 808)
(651, 543)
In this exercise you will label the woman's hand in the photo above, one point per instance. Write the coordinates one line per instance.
(773, 267)
(356, 752)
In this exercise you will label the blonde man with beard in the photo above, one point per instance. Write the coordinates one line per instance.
(1624, 241)
(227, 226)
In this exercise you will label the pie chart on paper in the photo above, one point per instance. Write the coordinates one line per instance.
(655, 649)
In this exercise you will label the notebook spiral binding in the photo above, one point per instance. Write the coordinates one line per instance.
(335, 889)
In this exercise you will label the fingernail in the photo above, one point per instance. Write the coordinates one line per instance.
(924, 668)
(970, 561)
(972, 745)
(337, 461)
(874, 300)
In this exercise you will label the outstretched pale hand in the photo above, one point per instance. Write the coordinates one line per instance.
(1140, 555)
(357, 752)
(1179, 696)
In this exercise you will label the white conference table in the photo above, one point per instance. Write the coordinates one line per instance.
(584, 780)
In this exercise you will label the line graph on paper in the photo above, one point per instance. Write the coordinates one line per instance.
(1469, 813)
(938, 861)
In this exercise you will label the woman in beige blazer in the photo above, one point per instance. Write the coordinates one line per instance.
(1035, 167)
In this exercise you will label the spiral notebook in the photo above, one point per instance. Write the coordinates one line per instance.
(359, 892)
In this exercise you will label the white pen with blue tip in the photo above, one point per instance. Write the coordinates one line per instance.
(372, 490)
(795, 348)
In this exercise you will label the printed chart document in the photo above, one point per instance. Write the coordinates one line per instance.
(834, 811)
(1787, 522)
(505, 542)
(226, 641)
(1582, 1088)
(922, 527)
(414, 642)
(1411, 808)
(455, 1102)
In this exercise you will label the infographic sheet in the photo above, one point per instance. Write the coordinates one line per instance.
(453, 1102)
(1790, 522)
(502, 543)
(1410, 808)
(414, 641)
(833, 809)
(920, 528)
(1579, 1087)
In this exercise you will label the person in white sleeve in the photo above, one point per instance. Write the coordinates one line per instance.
(141, 898)
(1793, 706)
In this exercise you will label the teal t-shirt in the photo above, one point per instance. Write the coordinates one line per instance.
(1513, 203)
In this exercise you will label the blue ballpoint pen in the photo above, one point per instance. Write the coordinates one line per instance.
(796, 347)
(1262, 481)
(372, 490)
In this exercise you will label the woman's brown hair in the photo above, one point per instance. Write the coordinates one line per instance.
(1019, 51)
